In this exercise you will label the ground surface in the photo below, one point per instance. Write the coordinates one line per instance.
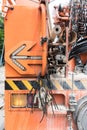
(2, 115)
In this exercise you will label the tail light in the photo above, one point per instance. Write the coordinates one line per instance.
(18, 100)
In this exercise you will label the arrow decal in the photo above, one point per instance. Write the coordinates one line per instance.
(24, 59)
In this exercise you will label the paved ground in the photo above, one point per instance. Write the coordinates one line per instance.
(2, 73)
(2, 115)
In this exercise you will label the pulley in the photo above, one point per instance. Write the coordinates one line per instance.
(80, 114)
(72, 37)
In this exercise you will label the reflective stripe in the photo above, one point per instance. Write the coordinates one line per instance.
(84, 82)
(27, 84)
(69, 82)
(57, 85)
(12, 85)
(79, 84)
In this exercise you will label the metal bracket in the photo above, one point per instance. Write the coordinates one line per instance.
(43, 40)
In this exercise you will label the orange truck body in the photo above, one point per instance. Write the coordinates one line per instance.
(25, 25)
(35, 19)
(25, 119)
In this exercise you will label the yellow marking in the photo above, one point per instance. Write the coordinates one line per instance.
(40, 82)
(69, 82)
(84, 82)
(27, 84)
(57, 85)
(12, 85)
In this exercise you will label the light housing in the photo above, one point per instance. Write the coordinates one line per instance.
(18, 100)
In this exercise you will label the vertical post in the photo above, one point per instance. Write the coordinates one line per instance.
(67, 43)
(44, 34)
(72, 80)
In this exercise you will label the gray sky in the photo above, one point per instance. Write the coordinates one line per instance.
(0, 4)
(56, 1)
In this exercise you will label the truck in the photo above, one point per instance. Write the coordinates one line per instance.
(45, 64)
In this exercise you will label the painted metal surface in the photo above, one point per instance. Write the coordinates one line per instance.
(25, 118)
(25, 56)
